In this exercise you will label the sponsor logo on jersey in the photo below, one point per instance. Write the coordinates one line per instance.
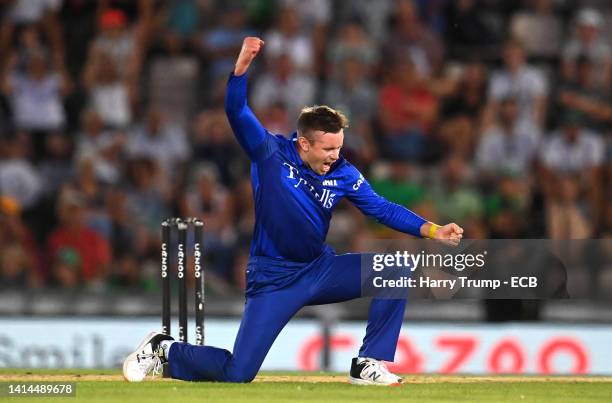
(323, 196)
(359, 182)
(330, 182)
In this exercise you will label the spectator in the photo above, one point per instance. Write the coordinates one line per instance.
(19, 179)
(288, 39)
(356, 97)
(135, 12)
(25, 13)
(170, 83)
(220, 44)
(585, 97)
(91, 190)
(134, 246)
(37, 100)
(92, 133)
(147, 201)
(122, 234)
(286, 85)
(461, 112)
(120, 42)
(109, 95)
(56, 168)
(410, 38)
(23, 258)
(93, 250)
(453, 192)
(375, 16)
(103, 148)
(407, 112)
(539, 29)
(16, 268)
(139, 15)
(507, 207)
(571, 163)
(573, 148)
(518, 80)
(37, 93)
(160, 140)
(207, 199)
(93, 193)
(30, 44)
(510, 147)
(399, 185)
(352, 43)
(352, 92)
(315, 16)
(586, 40)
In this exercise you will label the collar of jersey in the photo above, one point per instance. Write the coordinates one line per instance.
(295, 156)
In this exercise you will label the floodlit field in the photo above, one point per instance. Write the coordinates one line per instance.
(104, 386)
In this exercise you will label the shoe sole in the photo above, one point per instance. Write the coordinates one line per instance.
(146, 340)
(365, 382)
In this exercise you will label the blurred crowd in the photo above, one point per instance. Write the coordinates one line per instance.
(492, 114)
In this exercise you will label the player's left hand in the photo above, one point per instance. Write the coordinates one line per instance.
(450, 234)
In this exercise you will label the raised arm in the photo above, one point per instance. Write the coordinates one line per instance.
(251, 135)
(398, 217)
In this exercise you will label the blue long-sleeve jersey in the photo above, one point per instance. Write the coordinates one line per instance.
(293, 204)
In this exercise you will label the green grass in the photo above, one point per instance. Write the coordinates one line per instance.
(420, 389)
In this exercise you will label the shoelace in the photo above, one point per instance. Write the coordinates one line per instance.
(158, 366)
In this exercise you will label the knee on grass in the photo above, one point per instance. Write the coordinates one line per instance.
(240, 378)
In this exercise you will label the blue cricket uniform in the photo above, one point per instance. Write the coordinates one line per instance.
(290, 265)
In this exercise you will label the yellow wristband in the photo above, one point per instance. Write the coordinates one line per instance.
(433, 229)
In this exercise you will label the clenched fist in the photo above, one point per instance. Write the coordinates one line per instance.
(250, 47)
(450, 234)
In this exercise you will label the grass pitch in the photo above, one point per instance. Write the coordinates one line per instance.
(109, 386)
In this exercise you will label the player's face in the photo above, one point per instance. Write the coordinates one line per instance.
(323, 151)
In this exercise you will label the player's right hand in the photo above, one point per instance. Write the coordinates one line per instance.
(250, 48)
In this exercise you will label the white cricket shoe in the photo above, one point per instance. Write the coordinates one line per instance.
(368, 371)
(147, 359)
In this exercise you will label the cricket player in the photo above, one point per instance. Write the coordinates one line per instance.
(296, 183)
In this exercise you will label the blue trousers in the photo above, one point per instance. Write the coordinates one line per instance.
(275, 292)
